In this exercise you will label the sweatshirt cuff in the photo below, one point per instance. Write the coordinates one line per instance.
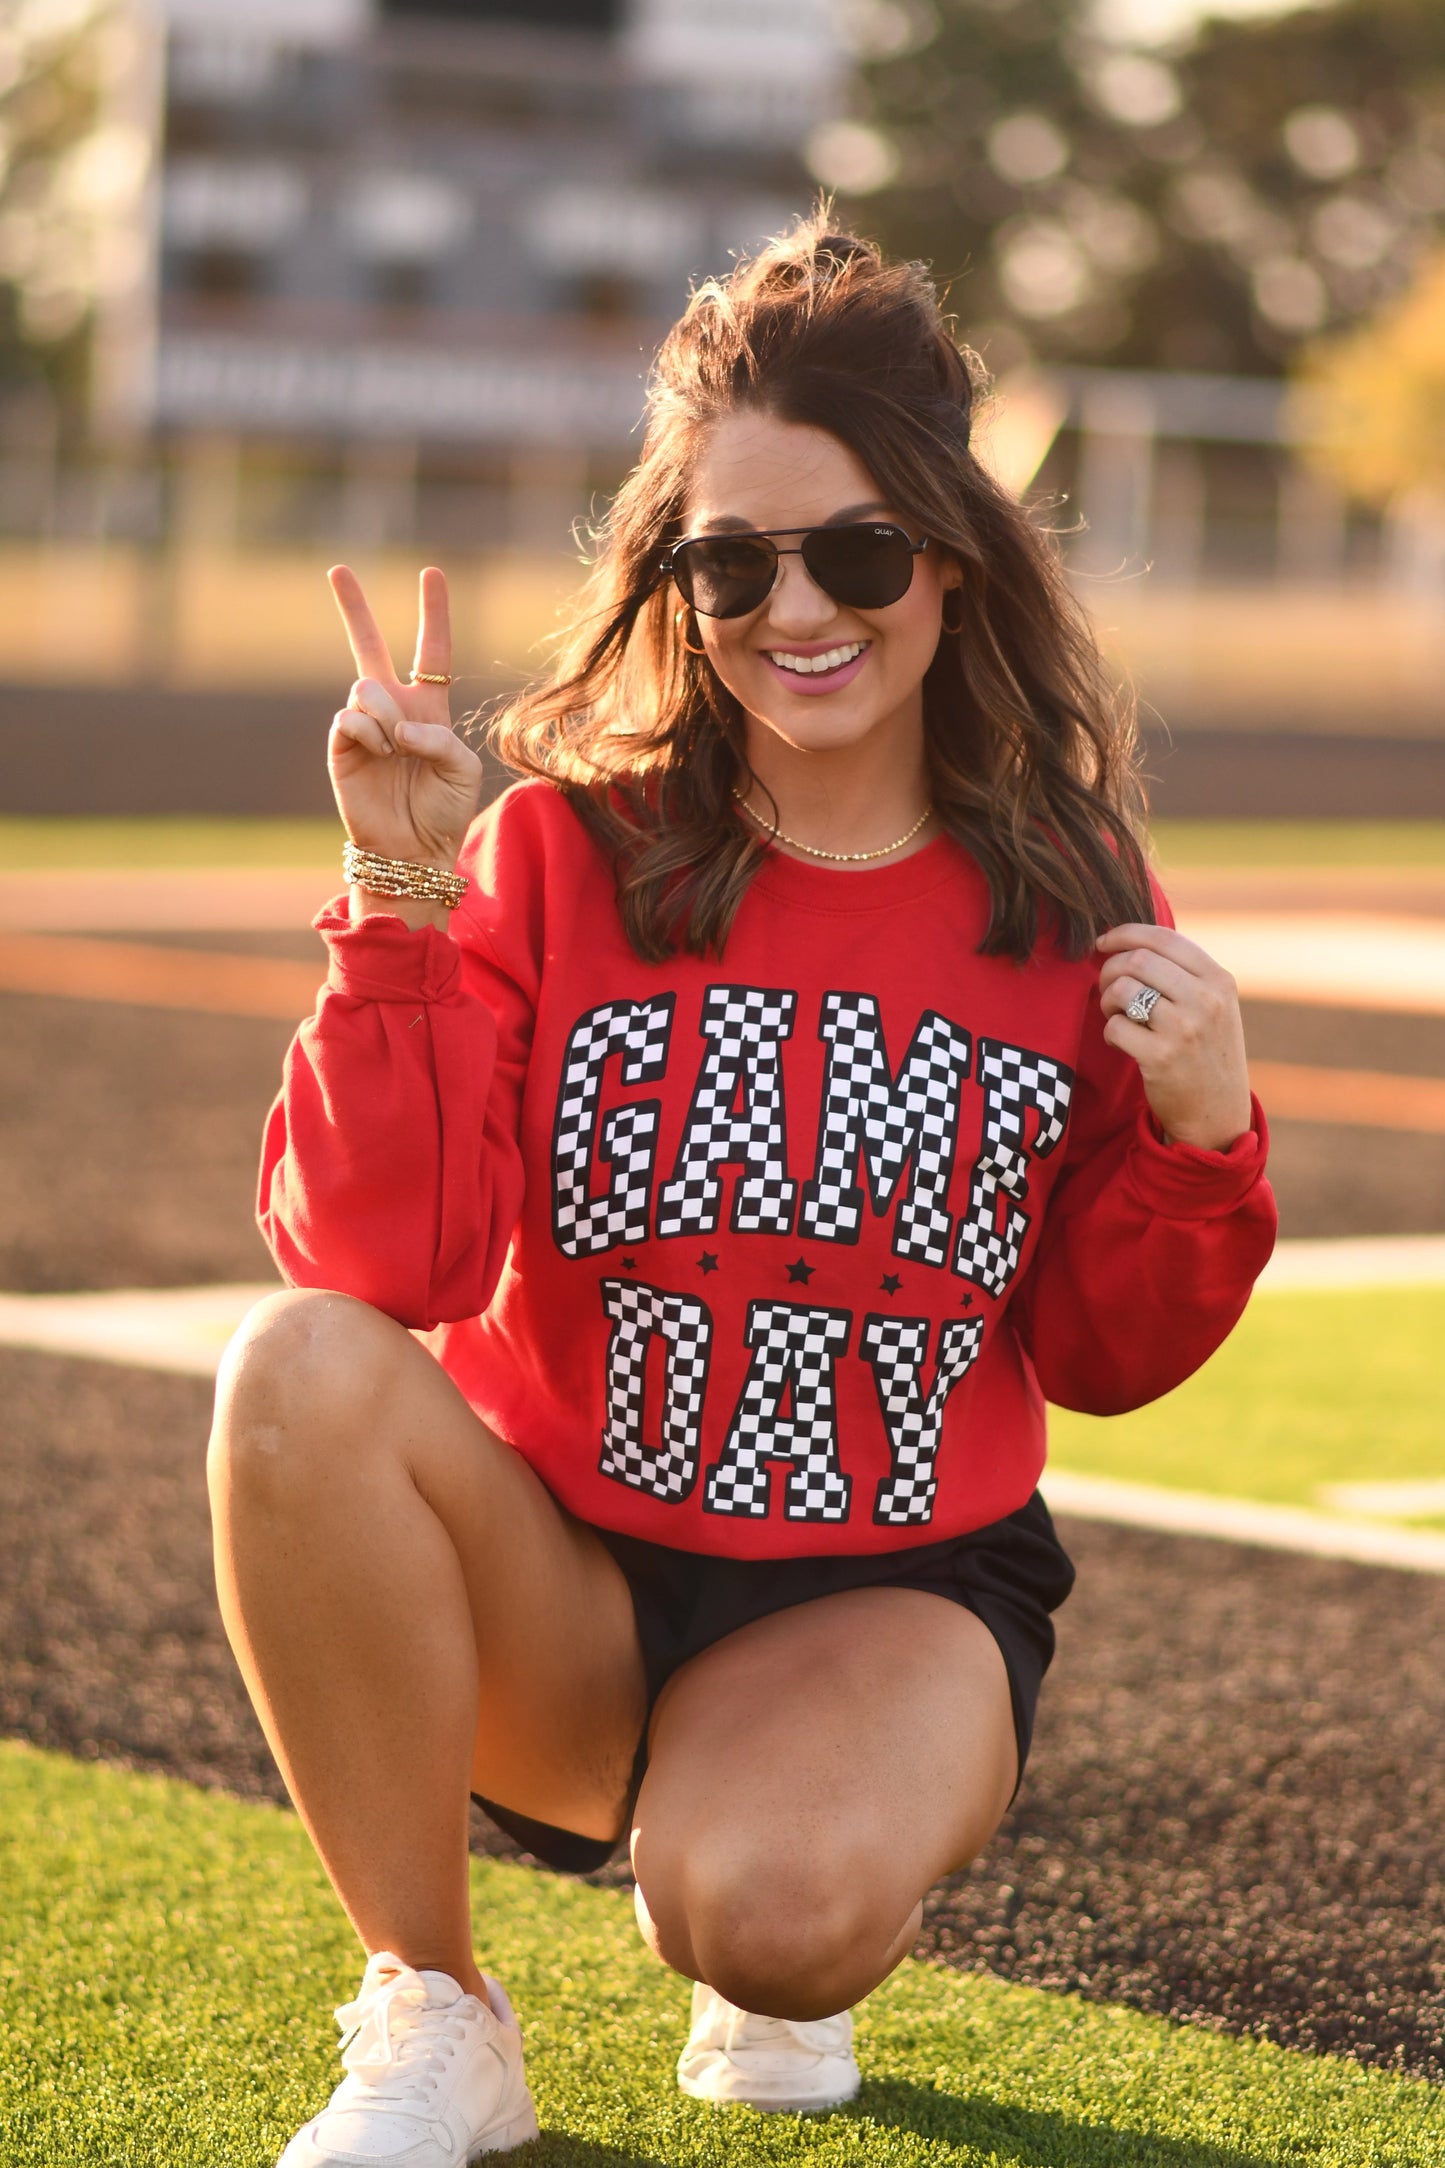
(1181, 1181)
(383, 959)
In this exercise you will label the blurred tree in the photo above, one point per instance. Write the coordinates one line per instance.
(63, 169)
(1207, 204)
(1371, 405)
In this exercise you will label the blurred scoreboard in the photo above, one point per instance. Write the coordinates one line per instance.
(453, 221)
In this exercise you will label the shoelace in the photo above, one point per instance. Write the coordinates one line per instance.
(383, 2048)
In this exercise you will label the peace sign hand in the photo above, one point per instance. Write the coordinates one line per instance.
(406, 786)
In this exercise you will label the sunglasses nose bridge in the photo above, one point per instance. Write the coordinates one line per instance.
(796, 599)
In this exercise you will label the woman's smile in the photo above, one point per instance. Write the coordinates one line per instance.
(819, 667)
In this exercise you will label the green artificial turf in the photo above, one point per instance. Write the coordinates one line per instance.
(166, 840)
(183, 840)
(171, 1958)
(1311, 1388)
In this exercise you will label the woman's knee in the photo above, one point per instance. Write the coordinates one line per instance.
(782, 1935)
(295, 1382)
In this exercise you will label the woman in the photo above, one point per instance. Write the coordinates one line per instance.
(794, 1089)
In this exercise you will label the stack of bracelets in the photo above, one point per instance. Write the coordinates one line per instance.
(402, 877)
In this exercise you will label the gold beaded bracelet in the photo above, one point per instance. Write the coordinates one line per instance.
(402, 877)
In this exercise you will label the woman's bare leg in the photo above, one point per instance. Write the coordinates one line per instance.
(414, 1615)
(810, 1778)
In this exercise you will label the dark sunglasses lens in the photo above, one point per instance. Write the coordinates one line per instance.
(725, 575)
(864, 567)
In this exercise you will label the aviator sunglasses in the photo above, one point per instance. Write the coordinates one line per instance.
(864, 566)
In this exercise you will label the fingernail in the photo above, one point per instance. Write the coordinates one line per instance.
(403, 730)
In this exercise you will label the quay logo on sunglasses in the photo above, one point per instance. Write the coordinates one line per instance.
(864, 566)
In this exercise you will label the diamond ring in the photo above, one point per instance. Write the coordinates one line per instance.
(1142, 1007)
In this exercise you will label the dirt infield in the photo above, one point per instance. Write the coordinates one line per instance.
(1236, 1807)
(131, 1142)
(1231, 1817)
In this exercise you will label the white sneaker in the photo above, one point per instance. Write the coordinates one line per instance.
(739, 2058)
(435, 2077)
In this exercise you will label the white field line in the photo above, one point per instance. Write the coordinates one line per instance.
(1354, 1261)
(1420, 1500)
(1243, 1520)
(1349, 959)
(163, 1328)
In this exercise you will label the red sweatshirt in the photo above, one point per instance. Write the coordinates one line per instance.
(765, 1257)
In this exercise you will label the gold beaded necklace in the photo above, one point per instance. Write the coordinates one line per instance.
(839, 857)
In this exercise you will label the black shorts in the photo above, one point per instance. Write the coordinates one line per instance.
(1011, 1575)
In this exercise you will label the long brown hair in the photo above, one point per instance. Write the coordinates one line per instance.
(1030, 750)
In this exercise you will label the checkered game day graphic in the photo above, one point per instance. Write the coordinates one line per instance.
(886, 1146)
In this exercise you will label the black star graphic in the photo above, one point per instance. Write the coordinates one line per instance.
(967, 1301)
(802, 1272)
(629, 1264)
(707, 1262)
(891, 1283)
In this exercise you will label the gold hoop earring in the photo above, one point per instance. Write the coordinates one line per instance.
(953, 630)
(682, 634)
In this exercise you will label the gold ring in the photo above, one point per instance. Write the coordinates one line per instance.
(429, 677)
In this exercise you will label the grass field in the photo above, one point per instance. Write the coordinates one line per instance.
(1300, 843)
(28, 845)
(183, 841)
(1311, 1389)
(172, 1957)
